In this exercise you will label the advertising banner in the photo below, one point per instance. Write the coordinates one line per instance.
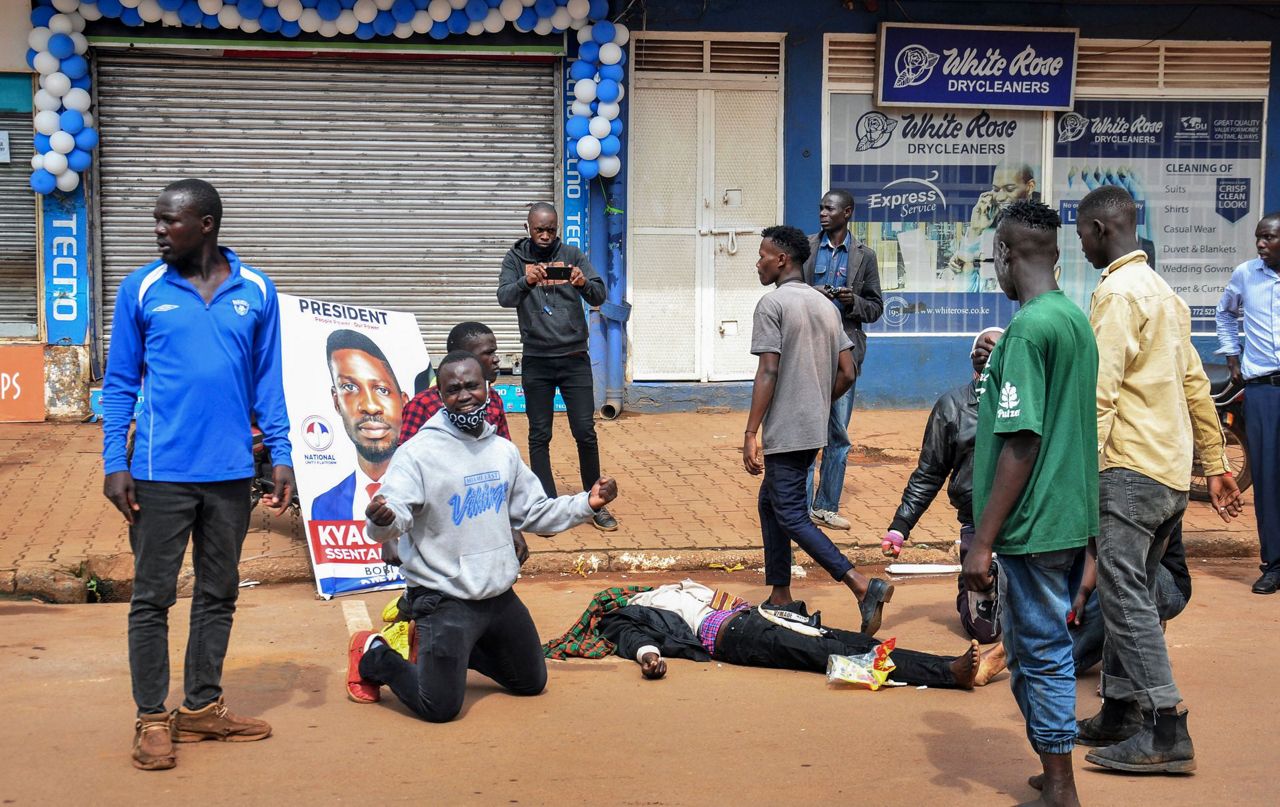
(21, 383)
(927, 185)
(65, 261)
(1195, 170)
(348, 372)
(976, 66)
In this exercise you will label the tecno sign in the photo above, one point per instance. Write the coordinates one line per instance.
(975, 66)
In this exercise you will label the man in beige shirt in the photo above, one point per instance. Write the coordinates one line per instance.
(1154, 411)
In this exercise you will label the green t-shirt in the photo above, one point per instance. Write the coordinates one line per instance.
(1042, 377)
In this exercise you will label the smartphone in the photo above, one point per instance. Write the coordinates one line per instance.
(558, 271)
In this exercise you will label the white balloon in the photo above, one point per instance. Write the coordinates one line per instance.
(55, 163)
(150, 11)
(347, 22)
(561, 19)
(88, 120)
(457, 3)
(38, 39)
(475, 28)
(622, 34)
(47, 63)
(610, 53)
(528, 3)
(250, 26)
(622, 92)
(37, 161)
(608, 111)
(270, 3)
(580, 109)
(56, 83)
(610, 166)
(543, 27)
(365, 10)
(421, 22)
(328, 28)
(310, 20)
(584, 89)
(577, 23)
(66, 6)
(62, 142)
(439, 10)
(76, 98)
(46, 101)
(493, 22)
(77, 22)
(510, 10)
(384, 5)
(170, 19)
(130, 3)
(403, 30)
(290, 10)
(599, 127)
(61, 24)
(578, 9)
(229, 17)
(81, 44)
(584, 34)
(46, 122)
(68, 181)
(90, 12)
(210, 6)
(588, 148)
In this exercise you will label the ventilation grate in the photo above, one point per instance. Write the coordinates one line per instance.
(851, 61)
(656, 53)
(1119, 65)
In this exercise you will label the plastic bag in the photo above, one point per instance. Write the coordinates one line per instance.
(865, 670)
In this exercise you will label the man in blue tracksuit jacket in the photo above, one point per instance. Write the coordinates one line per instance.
(196, 334)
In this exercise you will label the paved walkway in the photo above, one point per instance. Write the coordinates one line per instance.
(685, 502)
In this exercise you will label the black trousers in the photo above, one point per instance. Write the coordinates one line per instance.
(572, 374)
(495, 637)
(753, 641)
(215, 515)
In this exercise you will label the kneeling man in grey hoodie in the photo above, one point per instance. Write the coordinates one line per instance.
(452, 495)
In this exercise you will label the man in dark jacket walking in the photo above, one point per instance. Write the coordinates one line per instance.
(844, 269)
(546, 281)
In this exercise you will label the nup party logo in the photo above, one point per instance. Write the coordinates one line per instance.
(914, 65)
(317, 433)
(909, 196)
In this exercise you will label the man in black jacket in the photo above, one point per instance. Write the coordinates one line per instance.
(844, 269)
(546, 281)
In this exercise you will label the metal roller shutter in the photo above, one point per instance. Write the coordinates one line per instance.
(18, 305)
(397, 185)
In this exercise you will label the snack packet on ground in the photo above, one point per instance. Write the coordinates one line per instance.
(865, 670)
(399, 630)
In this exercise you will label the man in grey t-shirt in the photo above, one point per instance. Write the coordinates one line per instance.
(805, 362)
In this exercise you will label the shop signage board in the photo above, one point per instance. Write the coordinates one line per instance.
(66, 282)
(1195, 169)
(976, 66)
(344, 413)
(21, 383)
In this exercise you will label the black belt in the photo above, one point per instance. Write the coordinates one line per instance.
(1271, 379)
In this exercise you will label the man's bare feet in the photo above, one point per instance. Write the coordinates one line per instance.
(965, 667)
(1037, 781)
(990, 664)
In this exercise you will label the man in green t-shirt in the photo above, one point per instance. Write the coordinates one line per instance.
(1035, 482)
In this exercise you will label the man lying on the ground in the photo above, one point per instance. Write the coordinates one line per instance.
(679, 621)
(452, 494)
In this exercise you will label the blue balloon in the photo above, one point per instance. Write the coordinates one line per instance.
(527, 19)
(623, 58)
(61, 45)
(577, 126)
(87, 139)
(290, 28)
(384, 24)
(603, 32)
(84, 82)
(562, 2)
(571, 145)
(348, 3)
(270, 20)
(403, 10)
(581, 69)
(31, 58)
(599, 10)
(438, 30)
(211, 21)
(79, 160)
(71, 121)
(595, 107)
(544, 8)
(40, 17)
(131, 17)
(422, 4)
(610, 146)
(190, 13)
(75, 67)
(329, 10)
(589, 52)
(365, 31)
(250, 9)
(612, 72)
(229, 2)
(458, 21)
(588, 169)
(43, 182)
(41, 142)
(607, 91)
(310, 3)
(615, 127)
(110, 8)
(476, 10)
(170, 5)
(494, 3)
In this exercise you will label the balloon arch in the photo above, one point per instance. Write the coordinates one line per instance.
(64, 124)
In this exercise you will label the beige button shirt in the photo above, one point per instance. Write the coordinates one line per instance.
(1154, 407)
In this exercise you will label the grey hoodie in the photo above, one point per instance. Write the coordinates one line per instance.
(456, 498)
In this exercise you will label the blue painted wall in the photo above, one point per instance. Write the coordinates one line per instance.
(912, 372)
(15, 92)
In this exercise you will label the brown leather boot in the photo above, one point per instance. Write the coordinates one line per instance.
(216, 722)
(152, 746)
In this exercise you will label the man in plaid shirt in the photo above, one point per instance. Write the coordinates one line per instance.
(473, 337)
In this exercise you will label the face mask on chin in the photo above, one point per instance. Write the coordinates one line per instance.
(469, 422)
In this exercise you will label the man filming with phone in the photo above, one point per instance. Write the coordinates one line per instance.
(546, 281)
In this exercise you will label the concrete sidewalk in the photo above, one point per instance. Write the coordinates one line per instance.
(685, 503)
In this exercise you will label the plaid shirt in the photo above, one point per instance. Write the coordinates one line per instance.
(583, 640)
(427, 403)
(710, 627)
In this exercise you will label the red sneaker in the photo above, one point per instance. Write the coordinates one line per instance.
(359, 689)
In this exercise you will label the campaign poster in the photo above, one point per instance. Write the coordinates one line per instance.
(927, 185)
(348, 373)
(1194, 167)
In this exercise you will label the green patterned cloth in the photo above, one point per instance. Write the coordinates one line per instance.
(582, 640)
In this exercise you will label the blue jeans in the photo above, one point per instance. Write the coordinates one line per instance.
(1035, 595)
(784, 517)
(834, 457)
(1262, 433)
